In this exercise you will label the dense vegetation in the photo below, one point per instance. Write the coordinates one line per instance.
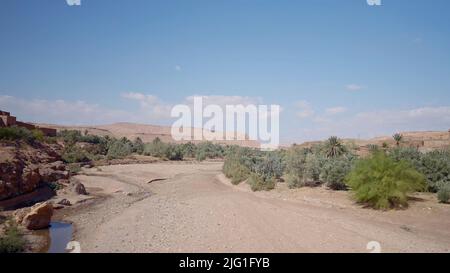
(382, 180)
(79, 148)
(331, 163)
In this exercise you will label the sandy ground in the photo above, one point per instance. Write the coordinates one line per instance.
(195, 209)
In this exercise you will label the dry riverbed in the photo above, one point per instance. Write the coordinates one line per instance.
(192, 207)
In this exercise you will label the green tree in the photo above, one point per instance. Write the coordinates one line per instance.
(383, 183)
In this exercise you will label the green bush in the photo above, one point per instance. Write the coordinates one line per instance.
(294, 181)
(295, 166)
(75, 154)
(334, 172)
(207, 150)
(258, 183)
(138, 146)
(235, 170)
(12, 240)
(173, 152)
(189, 150)
(120, 149)
(156, 148)
(271, 166)
(444, 194)
(382, 183)
(313, 167)
(436, 168)
(18, 133)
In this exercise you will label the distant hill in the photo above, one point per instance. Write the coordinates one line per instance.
(424, 141)
(146, 132)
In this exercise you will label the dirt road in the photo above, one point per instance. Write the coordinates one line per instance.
(191, 208)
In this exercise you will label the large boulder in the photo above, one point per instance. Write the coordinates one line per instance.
(38, 217)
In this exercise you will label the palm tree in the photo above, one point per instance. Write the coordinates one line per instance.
(398, 138)
(334, 147)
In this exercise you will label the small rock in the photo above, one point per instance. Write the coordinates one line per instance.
(64, 202)
(79, 188)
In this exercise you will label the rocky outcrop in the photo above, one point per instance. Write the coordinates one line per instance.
(36, 217)
(24, 167)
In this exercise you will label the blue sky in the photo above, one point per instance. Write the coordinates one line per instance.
(337, 67)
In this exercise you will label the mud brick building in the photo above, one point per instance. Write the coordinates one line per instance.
(6, 120)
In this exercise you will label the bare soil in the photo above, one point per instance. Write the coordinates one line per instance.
(192, 207)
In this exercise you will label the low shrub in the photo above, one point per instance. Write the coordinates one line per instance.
(120, 149)
(294, 181)
(269, 167)
(258, 183)
(435, 166)
(18, 133)
(334, 172)
(12, 240)
(444, 194)
(383, 183)
(75, 154)
(313, 167)
(173, 152)
(234, 170)
(295, 166)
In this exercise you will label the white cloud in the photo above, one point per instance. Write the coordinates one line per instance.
(304, 109)
(335, 110)
(354, 87)
(61, 111)
(151, 109)
(178, 68)
(225, 100)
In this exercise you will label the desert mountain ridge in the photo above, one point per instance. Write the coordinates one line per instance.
(423, 140)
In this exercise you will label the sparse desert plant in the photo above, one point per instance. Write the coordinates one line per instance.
(334, 147)
(12, 240)
(335, 171)
(258, 183)
(444, 194)
(383, 183)
(398, 138)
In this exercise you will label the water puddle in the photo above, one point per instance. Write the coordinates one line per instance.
(59, 234)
